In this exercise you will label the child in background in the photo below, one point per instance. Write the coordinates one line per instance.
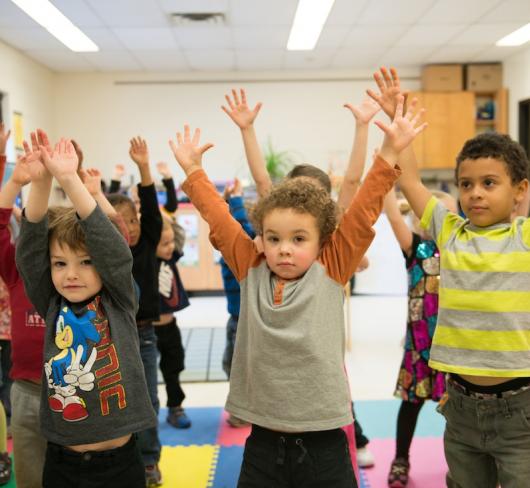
(481, 336)
(169, 341)
(416, 382)
(76, 269)
(233, 195)
(144, 236)
(292, 297)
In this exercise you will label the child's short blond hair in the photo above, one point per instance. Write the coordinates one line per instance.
(65, 229)
(301, 194)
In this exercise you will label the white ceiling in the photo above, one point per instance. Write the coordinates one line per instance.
(137, 35)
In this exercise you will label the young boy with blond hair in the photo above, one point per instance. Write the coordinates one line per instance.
(77, 271)
(290, 343)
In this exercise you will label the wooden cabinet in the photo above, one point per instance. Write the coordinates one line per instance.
(491, 111)
(199, 267)
(451, 119)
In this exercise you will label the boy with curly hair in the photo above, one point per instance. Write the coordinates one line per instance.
(288, 378)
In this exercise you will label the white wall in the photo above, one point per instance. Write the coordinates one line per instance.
(517, 80)
(29, 88)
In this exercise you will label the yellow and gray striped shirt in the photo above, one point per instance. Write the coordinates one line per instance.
(484, 300)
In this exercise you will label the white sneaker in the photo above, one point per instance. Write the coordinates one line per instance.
(365, 459)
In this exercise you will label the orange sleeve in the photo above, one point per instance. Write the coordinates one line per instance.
(226, 233)
(348, 244)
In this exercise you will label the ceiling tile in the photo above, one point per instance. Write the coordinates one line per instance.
(384, 12)
(210, 59)
(406, 56)
(453, 54)
(129, 13)
(261, 37)
(202, 37)
(61, 60)
(198, 6)
(104, 38)
(346, 12)
(457, 11)
(316, 59)
(167, 60)
(269, 12)
(113, 61)
(366, 57)
(430, 35)
(495, 54)
(12, 16)
(146, 38)
(79, 12)
(259, 59)
(333, 35)
(509, 11)
(483, 34)
(31, 38)
(362, 35)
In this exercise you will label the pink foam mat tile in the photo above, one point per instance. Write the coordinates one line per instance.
(231, 436)
(428, 466)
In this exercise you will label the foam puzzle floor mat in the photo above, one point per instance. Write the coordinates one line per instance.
(209, 454)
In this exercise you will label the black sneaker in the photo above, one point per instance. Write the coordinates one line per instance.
(176, 416)
(153, 476)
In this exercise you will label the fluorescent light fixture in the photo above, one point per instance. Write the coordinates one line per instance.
(51, 18)
(310, 17)
(516, 38)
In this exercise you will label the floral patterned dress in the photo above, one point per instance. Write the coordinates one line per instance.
(417, 381)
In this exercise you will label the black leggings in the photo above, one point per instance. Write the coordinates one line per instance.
(406, 424)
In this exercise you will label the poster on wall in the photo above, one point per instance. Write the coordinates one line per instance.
(190, 256)
(18, 131)
(190, 223)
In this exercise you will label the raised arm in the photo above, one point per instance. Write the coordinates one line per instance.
(410, 183)
(234, 195)
(397, 222)
(4, 136)
(91, 178)
(226, 234)
(239, 111)
(363, 114)
(171, 204)
(140, 155)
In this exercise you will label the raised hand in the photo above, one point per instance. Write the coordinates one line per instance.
(79, 153)
(119, 171)
(233, 190)
(403, 129)
(32, 162)
(21, 175)
(389, 89)
(163, 169)
(62, 161)
(239, 111)
(4, 136)
(139, 152)
(187, 151)
(91, 178)
(365, 111)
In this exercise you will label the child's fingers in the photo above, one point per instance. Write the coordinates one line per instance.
(379, 80)
(236, 97)
(34, 142)
(399, 107)
(417, 117)
(386, 76)
(243, 96)
(229, 101)
(27, 150)
(421, 128)
(382, 126)
(395, 77)
(179, 139)
(257, 108)
(196, 137)
(374, 96)
(186, 134)
(205, 148)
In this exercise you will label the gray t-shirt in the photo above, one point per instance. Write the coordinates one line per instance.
(94, 385)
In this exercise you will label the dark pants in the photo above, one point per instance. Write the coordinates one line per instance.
(5, 387)
(148, 440)
(116, 468)
(231, 329)
(169, 343)
(302, 460)
(360, 439)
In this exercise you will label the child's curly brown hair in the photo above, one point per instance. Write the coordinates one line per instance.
(303, 195)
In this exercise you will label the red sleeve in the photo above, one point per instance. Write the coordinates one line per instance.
(226, 233)
(348, 244)
(8, 269)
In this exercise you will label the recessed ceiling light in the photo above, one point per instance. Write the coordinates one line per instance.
(310, 17)
(52, 19)
(516, 38)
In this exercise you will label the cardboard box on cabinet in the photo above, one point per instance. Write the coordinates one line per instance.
(442, 78)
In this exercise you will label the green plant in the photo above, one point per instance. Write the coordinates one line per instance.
(278, 163)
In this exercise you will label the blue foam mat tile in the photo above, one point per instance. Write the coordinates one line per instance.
(228, 467)
(204, 428)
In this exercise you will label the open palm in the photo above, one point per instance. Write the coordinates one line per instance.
(187, 151)
(365, 111)
(239, 111)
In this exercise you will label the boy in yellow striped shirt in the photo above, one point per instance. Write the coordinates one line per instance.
(482, 337)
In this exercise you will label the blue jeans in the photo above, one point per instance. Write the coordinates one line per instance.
(148, 440)
(487, 442)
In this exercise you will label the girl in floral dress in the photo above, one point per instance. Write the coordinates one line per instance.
(416, 382)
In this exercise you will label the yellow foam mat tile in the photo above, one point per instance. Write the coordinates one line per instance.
(188, 466)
